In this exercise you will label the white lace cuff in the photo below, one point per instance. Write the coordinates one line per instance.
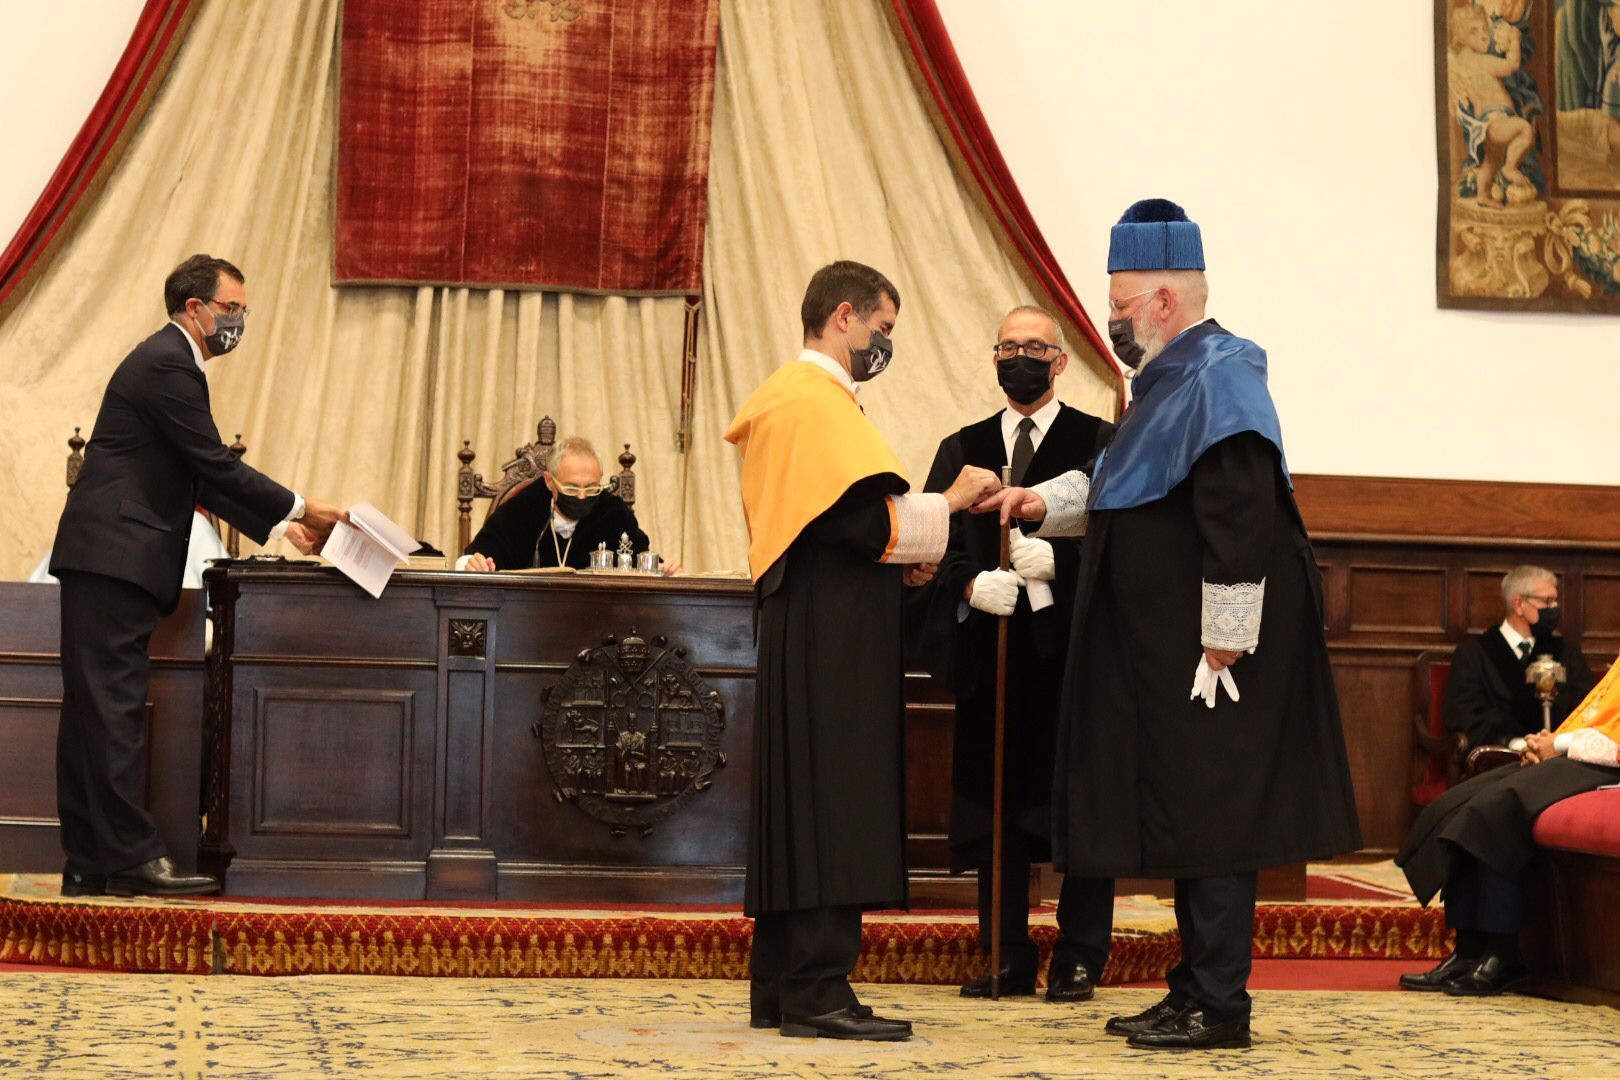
(1592, 747)
(1232, 615)
(1065, 497)
(919, 528)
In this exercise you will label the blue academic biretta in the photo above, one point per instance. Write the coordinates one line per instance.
(1154, 234)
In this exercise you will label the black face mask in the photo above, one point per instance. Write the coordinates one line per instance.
(1546, 622)
(871, 360)
(227, 333)
(1024, 378)
(576, 507)
(1126, 347)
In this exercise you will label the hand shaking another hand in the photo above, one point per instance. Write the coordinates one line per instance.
(1013, 502)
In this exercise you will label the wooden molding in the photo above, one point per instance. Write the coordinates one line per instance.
(1460, 512)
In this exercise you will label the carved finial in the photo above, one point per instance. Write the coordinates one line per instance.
(547, 430)
(75, 461)
(238, 447)
(465, 455)
(76, 444)
(627, 460)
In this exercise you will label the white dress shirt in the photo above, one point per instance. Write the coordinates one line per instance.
(297, 511)
(1513, 638)
(832, 367)
(1043, 417)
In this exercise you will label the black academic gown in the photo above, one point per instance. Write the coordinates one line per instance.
(961, 653)
(1487, 698)
(1152, 784)
(518, 534)
(827, 824)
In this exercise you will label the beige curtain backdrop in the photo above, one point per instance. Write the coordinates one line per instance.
(821, 151)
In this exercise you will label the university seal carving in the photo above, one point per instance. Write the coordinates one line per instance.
(631, 732)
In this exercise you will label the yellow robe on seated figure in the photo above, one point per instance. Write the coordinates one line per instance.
(1599, 713)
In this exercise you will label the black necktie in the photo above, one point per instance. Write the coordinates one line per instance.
(1524, 651)
(1023, 450)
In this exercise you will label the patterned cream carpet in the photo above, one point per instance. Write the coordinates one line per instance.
(68, 1025)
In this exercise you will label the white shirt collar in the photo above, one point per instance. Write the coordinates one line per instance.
(562, 526)
(832, 367)
(1513, 637)
(1042, 416)
(196, 353)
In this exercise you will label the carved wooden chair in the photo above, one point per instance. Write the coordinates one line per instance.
(1438, 763)
(528, 463)
(227, 532)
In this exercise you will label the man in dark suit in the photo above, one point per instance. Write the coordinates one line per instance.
(953, 626)
(120, 552)
(1487, 698)
(558, 521)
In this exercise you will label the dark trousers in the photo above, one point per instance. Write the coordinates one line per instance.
(801, 960)
(1215, 916)
(101, 738)
(1085, 915)
(1483, 906)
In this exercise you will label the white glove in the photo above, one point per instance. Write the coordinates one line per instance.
(1207, 683)
(995, 591)
(1032, 557)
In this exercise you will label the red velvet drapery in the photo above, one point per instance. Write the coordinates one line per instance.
(95, 151)
(963, 125)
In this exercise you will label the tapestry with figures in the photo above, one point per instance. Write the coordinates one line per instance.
(1528, 101)
(558, 144)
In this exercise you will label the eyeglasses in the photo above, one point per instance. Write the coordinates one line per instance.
(1117, 306)
(232, 308)
(1541, 601)
(1037, 349)
(578, 491)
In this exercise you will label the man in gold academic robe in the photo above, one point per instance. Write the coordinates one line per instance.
(833, 538)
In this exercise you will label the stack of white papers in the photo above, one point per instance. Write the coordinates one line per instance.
(368, 550)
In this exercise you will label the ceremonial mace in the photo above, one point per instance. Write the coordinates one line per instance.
(1546, 675)
(1002, 624)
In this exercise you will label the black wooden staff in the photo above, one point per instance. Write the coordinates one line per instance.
(996, 844)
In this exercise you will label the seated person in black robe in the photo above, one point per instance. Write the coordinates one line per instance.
(1474, 842)
(1487, 698)
(557, 522)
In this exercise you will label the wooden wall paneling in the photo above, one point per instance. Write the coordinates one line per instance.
(1390, 597)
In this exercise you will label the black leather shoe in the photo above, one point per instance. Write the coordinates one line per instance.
(75, 884)
(1012, 985)
(158, 877)
(845, 1024)
(1145, 1020)
(1435, 978)
(1491, 976)
(1070, 982)
(1189, 1029)
(764, 1019)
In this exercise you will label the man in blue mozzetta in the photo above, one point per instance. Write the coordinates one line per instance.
(1197, 572)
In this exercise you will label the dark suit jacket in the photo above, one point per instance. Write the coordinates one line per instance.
(518, 534)
(1487, 698)
(153, 456)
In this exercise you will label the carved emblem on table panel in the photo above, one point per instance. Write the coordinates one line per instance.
(631, 732)
(467, 637)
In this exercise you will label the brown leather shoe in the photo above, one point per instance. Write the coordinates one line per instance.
(1145, 1020)
(1436, 977)
(158, 877)
(1191, 1029)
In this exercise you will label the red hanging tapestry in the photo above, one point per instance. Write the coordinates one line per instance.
(558, 144)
